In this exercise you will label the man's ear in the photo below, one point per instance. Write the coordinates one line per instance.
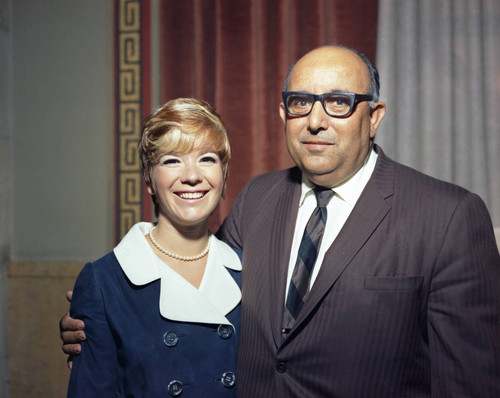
(377, 113)
(283, 113)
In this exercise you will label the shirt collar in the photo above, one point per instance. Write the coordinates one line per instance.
(217, 295)
(350, 190)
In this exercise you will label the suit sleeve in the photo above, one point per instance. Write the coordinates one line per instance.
(231, 230)
(94, 372)
(464, 307)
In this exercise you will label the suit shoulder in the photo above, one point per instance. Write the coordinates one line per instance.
(408, 179)
(273, 180)
(406, 176)
(435, 196)
(411, 187)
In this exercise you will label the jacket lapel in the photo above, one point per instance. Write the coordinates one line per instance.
(365, 217)
(283, 226)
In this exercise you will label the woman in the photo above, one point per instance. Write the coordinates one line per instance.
(161, 310)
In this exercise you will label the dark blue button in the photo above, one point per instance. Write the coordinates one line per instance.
(170, 339)
(228, 379)
(175, 388)
(225, 331)
(281, 367)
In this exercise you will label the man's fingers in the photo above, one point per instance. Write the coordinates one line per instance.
(69, 324)
(71, 333)
(72, 337)
(71, 349)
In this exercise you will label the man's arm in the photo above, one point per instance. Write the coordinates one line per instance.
(464, 307)
(71, 333)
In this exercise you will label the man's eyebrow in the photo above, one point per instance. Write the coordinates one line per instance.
(334, 90)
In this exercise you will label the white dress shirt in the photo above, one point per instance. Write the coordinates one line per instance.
(338, 209)
(217, 295)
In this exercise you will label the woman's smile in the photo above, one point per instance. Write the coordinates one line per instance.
(188, 186)
(191, 195)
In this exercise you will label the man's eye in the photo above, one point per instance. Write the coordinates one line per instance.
(300, 101)
(338, 101)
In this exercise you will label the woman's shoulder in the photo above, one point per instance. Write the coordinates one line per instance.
(109, 260)
(106, 260)
(104, 267)
(92, 279)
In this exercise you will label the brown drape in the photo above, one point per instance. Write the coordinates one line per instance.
(235, 54)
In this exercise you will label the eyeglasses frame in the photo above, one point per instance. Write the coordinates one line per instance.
(355, 98)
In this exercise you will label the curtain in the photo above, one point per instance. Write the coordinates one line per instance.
(439, 63)
(236, 54)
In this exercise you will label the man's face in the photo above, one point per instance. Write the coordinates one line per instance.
(331, 150)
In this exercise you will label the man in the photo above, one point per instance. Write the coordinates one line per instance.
(402, 297)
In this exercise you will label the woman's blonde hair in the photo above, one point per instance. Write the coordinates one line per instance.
(175, 128)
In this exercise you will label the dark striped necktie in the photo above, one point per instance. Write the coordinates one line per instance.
(306, 258)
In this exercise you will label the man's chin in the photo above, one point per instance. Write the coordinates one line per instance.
(325, 179)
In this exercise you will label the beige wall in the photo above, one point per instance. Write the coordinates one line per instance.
(37, 366)
(56, 175)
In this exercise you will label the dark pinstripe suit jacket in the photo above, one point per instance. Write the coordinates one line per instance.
(406, 304)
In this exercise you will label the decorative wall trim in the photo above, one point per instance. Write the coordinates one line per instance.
(132, 92)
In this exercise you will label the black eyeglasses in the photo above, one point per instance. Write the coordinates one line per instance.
(299, 103)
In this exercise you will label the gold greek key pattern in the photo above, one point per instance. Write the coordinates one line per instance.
(129, 110)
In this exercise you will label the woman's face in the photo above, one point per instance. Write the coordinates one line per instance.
(188, 187)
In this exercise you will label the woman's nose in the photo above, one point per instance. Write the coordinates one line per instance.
(191, 173)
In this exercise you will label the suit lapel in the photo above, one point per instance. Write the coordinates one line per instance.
(365, 217)
(283, 227)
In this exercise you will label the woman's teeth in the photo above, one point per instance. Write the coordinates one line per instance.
(191, 195)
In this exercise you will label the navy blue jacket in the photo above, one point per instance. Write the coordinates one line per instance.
(132, 351)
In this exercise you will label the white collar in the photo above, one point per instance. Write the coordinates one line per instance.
(350, 190)
(217, 295)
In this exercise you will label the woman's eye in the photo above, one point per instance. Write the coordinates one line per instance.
(209, 159)
(169, 161)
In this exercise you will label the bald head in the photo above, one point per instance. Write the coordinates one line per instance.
(335, 53)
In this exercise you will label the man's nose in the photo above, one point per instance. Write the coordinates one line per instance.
(318, 118)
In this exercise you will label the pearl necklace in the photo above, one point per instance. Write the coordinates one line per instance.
(176, 256)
